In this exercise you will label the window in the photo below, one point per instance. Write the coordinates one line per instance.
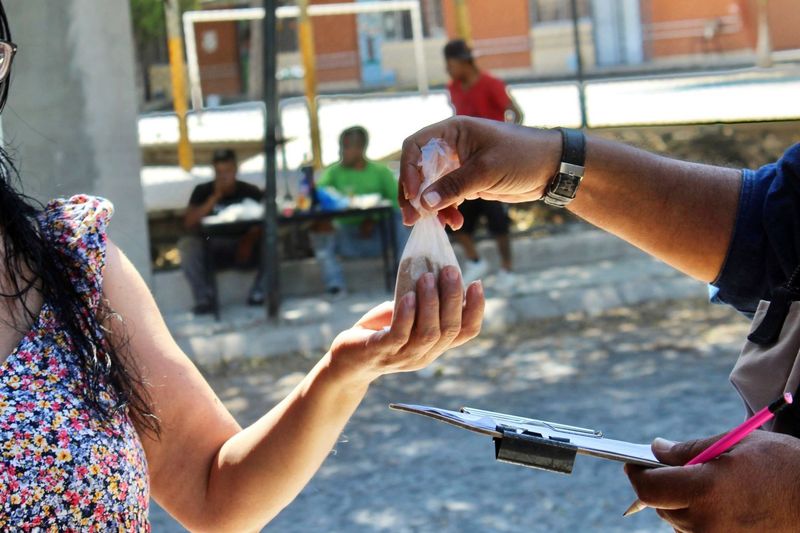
(433, 18)
(397, 24)
(556, 10)
(287, 31)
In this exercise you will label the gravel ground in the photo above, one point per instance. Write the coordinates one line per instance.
(635, 373)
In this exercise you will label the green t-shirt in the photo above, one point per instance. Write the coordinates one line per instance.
(374, 178)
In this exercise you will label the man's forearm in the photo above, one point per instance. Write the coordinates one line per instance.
(682, 213)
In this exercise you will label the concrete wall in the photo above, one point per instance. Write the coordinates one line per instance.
(218, 55)
(398, 57)
(685, 27)
(553, 46)
(500, 31)
(71, 116)
(784, 19)
(552, 52)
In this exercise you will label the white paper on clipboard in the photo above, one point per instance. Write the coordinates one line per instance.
(588, 441)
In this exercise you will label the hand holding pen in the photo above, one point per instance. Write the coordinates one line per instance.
(727, 441)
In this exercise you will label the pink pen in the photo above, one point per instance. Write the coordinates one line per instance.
(731, 439)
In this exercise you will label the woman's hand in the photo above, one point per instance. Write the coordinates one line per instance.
(409, 337)
(498, 162)
(753, 487)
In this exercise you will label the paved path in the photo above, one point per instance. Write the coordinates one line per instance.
(634, 372)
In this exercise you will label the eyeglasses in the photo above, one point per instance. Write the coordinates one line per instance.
(7, 52)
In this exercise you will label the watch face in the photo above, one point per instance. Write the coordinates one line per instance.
(567, 185)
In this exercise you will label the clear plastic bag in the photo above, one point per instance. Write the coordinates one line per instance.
(428, 248)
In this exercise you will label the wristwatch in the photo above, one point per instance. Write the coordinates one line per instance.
(564, 185)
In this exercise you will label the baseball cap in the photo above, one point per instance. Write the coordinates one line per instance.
(458, 49)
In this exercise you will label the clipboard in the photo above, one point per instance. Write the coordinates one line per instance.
(537, 443)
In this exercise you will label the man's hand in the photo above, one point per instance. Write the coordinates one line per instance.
(753, 487)
(195, 213)
(411, 333)
(498, 162)
(682, 213)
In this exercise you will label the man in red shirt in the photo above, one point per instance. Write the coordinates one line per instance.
(478, 94)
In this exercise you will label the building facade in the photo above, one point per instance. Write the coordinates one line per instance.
(513, 38)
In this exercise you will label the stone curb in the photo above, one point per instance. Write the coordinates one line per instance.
(260, 340)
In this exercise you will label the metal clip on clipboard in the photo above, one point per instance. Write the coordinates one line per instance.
(537, 443)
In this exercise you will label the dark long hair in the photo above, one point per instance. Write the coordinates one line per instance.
(32, 262)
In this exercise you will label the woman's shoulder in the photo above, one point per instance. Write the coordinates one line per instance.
(73, 216)
(77, 227)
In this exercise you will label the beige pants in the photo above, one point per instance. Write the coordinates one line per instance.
(763, 373)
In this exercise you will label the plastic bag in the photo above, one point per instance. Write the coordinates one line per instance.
(428, 248)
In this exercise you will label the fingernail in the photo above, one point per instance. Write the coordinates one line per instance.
(432, 198)
(662, 445)
(451, 273)
(479, 284)
(429, 281)
(409, 300)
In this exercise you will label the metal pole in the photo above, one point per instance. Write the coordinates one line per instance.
(463, 27)
(419, 50)
(270, 248)
(578, 62)
(306, 36)
(195, 89)
(177, 66)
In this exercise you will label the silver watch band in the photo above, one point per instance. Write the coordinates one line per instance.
(564, 186)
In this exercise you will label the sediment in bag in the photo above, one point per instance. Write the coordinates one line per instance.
(409, 272)
(428, 248)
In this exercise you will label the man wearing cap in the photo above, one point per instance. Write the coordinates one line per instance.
(477, 93)
(241, 250)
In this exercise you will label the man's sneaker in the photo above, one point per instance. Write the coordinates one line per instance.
(336, 293)
(256, 297)
(474, 270)
(506, 282)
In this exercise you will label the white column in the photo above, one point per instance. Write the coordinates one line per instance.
(71, 114)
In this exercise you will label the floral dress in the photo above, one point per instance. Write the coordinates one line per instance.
(60, 469)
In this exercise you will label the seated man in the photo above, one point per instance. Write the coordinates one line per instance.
(239, 250)
(356, 236)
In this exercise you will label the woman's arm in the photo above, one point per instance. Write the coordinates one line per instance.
(682, 213)
(212, 475)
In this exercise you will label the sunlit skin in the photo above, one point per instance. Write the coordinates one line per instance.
(212, 474)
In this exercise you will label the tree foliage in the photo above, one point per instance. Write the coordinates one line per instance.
(148, 18)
